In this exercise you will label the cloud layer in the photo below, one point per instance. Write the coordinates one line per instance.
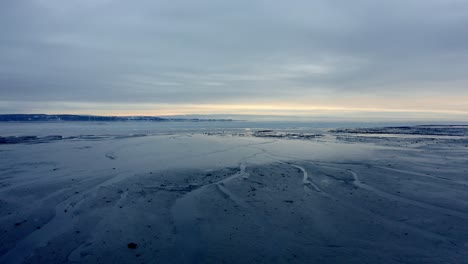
(364, 54)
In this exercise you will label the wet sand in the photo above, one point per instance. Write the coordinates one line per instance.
(227, 197)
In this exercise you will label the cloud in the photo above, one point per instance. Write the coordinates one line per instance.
(237, 52)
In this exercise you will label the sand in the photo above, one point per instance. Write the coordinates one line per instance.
(231, 196)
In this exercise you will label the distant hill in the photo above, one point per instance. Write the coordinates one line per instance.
(58, 118)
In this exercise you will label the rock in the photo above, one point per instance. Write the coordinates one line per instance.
(132, 245)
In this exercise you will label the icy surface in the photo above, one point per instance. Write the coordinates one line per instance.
(231, 193)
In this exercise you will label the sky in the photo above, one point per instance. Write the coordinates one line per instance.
(327, 58)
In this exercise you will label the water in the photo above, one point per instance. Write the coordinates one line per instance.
(151, 128)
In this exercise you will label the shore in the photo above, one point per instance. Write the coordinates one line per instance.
(230, 198)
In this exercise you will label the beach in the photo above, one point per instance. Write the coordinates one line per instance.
(234, 195)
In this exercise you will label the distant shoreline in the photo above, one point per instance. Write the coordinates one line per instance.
(93, 118)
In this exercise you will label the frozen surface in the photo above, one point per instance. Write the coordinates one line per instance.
(231, 193)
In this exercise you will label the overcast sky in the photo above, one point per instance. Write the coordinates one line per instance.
(236, 57)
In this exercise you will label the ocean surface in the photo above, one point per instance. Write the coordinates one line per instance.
(152, 128)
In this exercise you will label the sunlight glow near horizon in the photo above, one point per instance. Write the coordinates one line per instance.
(262, 109)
